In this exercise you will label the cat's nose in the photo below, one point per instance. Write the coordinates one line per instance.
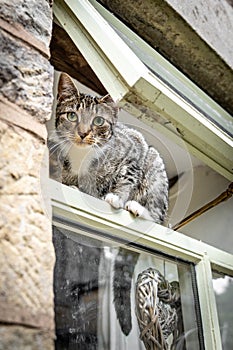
(82, 135)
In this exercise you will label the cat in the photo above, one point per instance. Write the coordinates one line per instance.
(108, 160)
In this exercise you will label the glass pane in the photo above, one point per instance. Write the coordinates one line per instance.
(109, 297)
(223, 288)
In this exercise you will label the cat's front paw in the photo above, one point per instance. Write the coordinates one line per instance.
(114, 200)
(137, 210)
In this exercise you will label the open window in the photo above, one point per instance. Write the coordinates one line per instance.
(178, 118)
(141, 80)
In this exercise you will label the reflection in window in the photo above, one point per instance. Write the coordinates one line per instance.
(109, 297)
(223, 288)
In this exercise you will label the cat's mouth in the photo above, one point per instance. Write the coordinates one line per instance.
(84, 143)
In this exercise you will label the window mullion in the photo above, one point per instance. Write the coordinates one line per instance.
(210, 323)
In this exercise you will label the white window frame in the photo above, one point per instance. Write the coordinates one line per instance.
(96, 218)
(125, 77)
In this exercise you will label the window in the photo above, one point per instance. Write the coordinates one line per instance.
(93, 279)
(87, 230)
(88, 234)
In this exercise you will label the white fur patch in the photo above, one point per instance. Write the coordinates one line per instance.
(138, 210)
(114, 200)
(80, 158)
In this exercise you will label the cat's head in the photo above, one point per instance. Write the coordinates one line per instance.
(83, 119)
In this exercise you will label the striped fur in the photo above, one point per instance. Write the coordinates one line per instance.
(117, 164)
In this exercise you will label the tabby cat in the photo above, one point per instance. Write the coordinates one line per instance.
(110, 161)
(105, 158)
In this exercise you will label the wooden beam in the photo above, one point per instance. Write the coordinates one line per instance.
(65, 57)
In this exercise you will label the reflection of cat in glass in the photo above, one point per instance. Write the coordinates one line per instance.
(110, 161)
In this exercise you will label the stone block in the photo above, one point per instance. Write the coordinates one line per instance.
(26, 77)
(26, 250)
(34, 15)
(21, 156)
(20, 338)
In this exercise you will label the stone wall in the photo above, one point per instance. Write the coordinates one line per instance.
(26, 250)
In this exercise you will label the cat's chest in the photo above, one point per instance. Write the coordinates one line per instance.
(80, 159)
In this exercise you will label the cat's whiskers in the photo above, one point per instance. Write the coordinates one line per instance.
(58, 141)
(55, 147)
(100, 154)
(64, 150)
(105, 139)
(98, 150)
(104, 143)
(62, 143)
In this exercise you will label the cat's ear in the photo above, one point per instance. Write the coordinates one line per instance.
(66, 87)
(106, 99)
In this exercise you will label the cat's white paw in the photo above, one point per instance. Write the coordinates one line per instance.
(114, 200)
(137, 210)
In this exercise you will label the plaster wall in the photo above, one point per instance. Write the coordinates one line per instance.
(212, 20)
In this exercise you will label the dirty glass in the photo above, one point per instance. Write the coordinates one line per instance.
(223, 289)
(109, 297)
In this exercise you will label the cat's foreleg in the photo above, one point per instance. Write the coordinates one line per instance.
(119, 195)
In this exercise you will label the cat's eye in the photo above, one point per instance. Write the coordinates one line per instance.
(72, 116)
(98, 121)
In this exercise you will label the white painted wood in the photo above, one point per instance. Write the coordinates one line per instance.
(119, 224)
(211, 331)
